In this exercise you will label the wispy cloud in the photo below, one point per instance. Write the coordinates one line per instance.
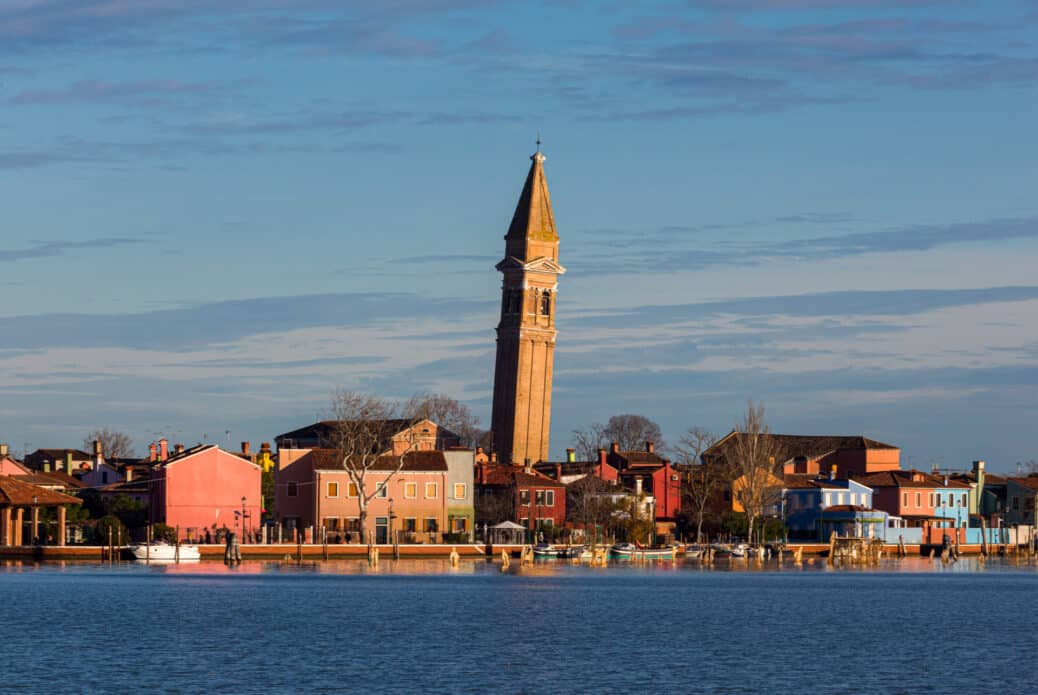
(50, 249)
(145, 92)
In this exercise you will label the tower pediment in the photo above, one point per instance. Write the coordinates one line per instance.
(537, 265)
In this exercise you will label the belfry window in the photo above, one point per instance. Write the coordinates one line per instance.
(546, 303)
(514, 300)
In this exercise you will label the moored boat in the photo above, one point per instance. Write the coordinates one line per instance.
(160, 551)
(693, 551)
(630, 551)
(545, 550)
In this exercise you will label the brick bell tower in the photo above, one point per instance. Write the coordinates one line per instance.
(521, 417)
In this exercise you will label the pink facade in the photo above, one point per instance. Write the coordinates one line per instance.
(206, 488)
(8, 466)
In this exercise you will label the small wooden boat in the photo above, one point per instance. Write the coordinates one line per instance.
(545, 551)
(630, 551)
(694, 551)
(160, 551)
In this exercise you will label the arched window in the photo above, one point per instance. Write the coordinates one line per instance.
(546, 303)
(514, 301)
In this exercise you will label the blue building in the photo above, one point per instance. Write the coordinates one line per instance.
(813, 508)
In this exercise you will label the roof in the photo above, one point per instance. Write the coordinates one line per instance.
(59, 454)
(1029, 482)
(806, 481)
(910, 478)
(186, 453)
(17, 493)
(792, 446)
(414, 461)
(533, 217)
(51, 479)
(322, 432)
(501, 474)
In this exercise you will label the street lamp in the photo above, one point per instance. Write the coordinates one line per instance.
(35, 519)
(243, 516)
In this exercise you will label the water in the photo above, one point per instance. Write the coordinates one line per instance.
(419, 626)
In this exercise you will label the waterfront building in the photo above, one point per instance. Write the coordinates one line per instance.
(205, 488)
(1022, 494)
(814, 455)
(460, 491)
(519, 494)
(20, 506)
(922, 500)
(646, 472)
(315, 491)
(521, 412)
(815, 507)
(9, 465)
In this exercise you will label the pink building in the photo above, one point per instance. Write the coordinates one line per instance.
(206, 488)
(313, 489)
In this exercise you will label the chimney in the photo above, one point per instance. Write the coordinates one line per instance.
(99, 455)
(3, 449)
(832, 472)
(245, 448)
(650, 447)
(163, 449)
(479, 451)
(265, 448)
(638, 486)
(129, 473)
(152, 452)
(558, 472)
(493, 457)
(527, 466)
(178, 448)
(614, 447)
(571, 455)
(68, 463)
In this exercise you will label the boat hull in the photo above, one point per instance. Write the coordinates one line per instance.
(165, 553)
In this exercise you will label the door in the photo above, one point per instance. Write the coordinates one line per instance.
(381, 530)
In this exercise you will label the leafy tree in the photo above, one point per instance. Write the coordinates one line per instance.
(629, 431)
(119, 533)
(114, 443)
(163, 532)
(267, 491)
(131, 513)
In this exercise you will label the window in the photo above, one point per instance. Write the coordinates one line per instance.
(333, 489)
(919, 499)
(459, 525)
(104, 477)
(525, 522)
(331, 523)
(524, 497)
(352, 490)
(431, 525)
(904, 499)
(292, 490)
(514, 301)
(381, 491)
(929, 500)
(538, 497)
(546, 304)
(546, 521)
(410, 524)
(1016, 502)
(430, 491)
(353, 524)
(459, 491)
(828, 499)
(549, 498)
(410, 490)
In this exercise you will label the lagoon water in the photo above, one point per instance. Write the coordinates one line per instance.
(419, 626)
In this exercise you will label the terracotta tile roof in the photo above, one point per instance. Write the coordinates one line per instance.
(1028, 482)
(51, 480)
(792, 446)
(414, 461)
(501, 474)
(322, 433)
(910, 478)
(804, 481)
(60, 454)
(16, 492)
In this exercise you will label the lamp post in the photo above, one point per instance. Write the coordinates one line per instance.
(243, 517)
(35, 519)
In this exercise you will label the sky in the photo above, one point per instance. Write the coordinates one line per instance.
(215, 213)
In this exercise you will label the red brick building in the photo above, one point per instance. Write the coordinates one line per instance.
(522, 495)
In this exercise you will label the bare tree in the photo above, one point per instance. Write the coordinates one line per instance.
(495, 507)
(114, 443)
(362, 439)
(446, 412)
(590, 503)
(702, 482)
(588, 441)
(754, 461)
(629, 431)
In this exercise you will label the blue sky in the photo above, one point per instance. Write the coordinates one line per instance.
(216, 212)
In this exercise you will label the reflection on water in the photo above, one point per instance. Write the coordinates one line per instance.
(416, 625)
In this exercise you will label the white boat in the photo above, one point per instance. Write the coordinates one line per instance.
(739, 550)
(160, 551)
(693, 551)
(545, 550)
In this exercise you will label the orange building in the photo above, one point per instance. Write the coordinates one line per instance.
(811, 455)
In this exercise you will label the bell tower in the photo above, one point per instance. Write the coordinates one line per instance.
(521, 416)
